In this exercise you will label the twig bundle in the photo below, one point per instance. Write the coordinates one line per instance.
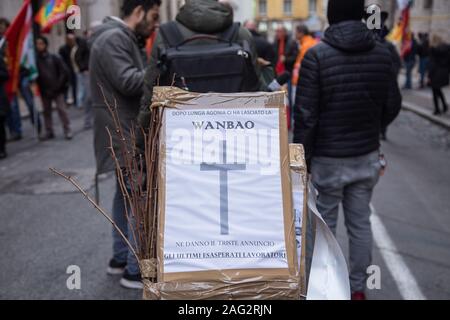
(137, 175)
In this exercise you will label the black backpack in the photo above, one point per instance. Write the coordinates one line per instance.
(222, 66)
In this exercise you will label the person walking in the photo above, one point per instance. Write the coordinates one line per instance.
(53, 81)
(345, 85)
(438, 73)
(117, 76)
(409, 60)
(66, 52)
(4, 105)
(381, 36)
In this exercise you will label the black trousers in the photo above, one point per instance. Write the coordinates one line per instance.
(439, 95)
(2, 133)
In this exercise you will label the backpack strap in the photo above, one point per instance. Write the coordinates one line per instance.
(171, 34)
(230, 34)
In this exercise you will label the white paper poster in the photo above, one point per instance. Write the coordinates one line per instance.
(224, 206)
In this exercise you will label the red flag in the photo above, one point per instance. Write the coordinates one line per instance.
(15, 39)
(407, 42)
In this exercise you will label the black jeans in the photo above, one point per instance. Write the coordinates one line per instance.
(2, 133)
(438, 94)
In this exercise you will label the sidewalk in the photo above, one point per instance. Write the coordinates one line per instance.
(420, 101)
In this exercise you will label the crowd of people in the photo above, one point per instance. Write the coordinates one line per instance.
(61, 80)
(431, 57)
(343, 93)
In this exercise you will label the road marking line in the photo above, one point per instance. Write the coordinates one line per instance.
(405, 281)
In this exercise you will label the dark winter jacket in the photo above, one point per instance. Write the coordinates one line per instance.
(81, 56)
(264, 49)
(343, 93)
(53, 75)
(439, 67)
(116, 66)
(396, 59)
(4, 76)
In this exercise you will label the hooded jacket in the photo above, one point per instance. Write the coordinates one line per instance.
(195, 17)
(116, 66)
(343, 93)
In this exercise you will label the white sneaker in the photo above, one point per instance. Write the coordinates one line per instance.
(115, 268)
(131, 281)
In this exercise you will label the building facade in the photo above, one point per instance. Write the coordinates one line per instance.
(427, 16)
(431, 16)
(271, 14)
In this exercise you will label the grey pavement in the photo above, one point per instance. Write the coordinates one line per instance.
(47, 226)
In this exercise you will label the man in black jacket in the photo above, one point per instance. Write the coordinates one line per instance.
(343, 100)
(75, 54)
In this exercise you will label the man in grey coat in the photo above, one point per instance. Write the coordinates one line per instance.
(117, 76)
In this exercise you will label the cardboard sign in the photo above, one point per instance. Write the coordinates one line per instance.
(227, 226)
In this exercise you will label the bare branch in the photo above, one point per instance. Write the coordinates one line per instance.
(99, 209)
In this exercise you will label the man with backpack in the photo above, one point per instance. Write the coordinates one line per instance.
(202, 51)
(53, 82)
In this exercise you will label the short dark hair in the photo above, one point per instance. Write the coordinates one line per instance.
(44, 39)
(5, 22)
(303, 29)
(129, 5)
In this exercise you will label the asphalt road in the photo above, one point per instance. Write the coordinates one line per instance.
(46, 226)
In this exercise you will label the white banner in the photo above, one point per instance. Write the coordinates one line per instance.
(328, 279)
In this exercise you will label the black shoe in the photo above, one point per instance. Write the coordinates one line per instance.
(15, 137)
(445, 109)
(131, 281)
(3, 155)
(383, 137)
(115, 268)
(437, 113)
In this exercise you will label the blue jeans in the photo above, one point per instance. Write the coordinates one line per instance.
(81, 89)
(349, 181)
(423, 68)
(121, 252)
(409, 65)
(14, 119)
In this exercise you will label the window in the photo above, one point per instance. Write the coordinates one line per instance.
(262, 7)
(427, 4)
(312, 6)
(287, 7)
